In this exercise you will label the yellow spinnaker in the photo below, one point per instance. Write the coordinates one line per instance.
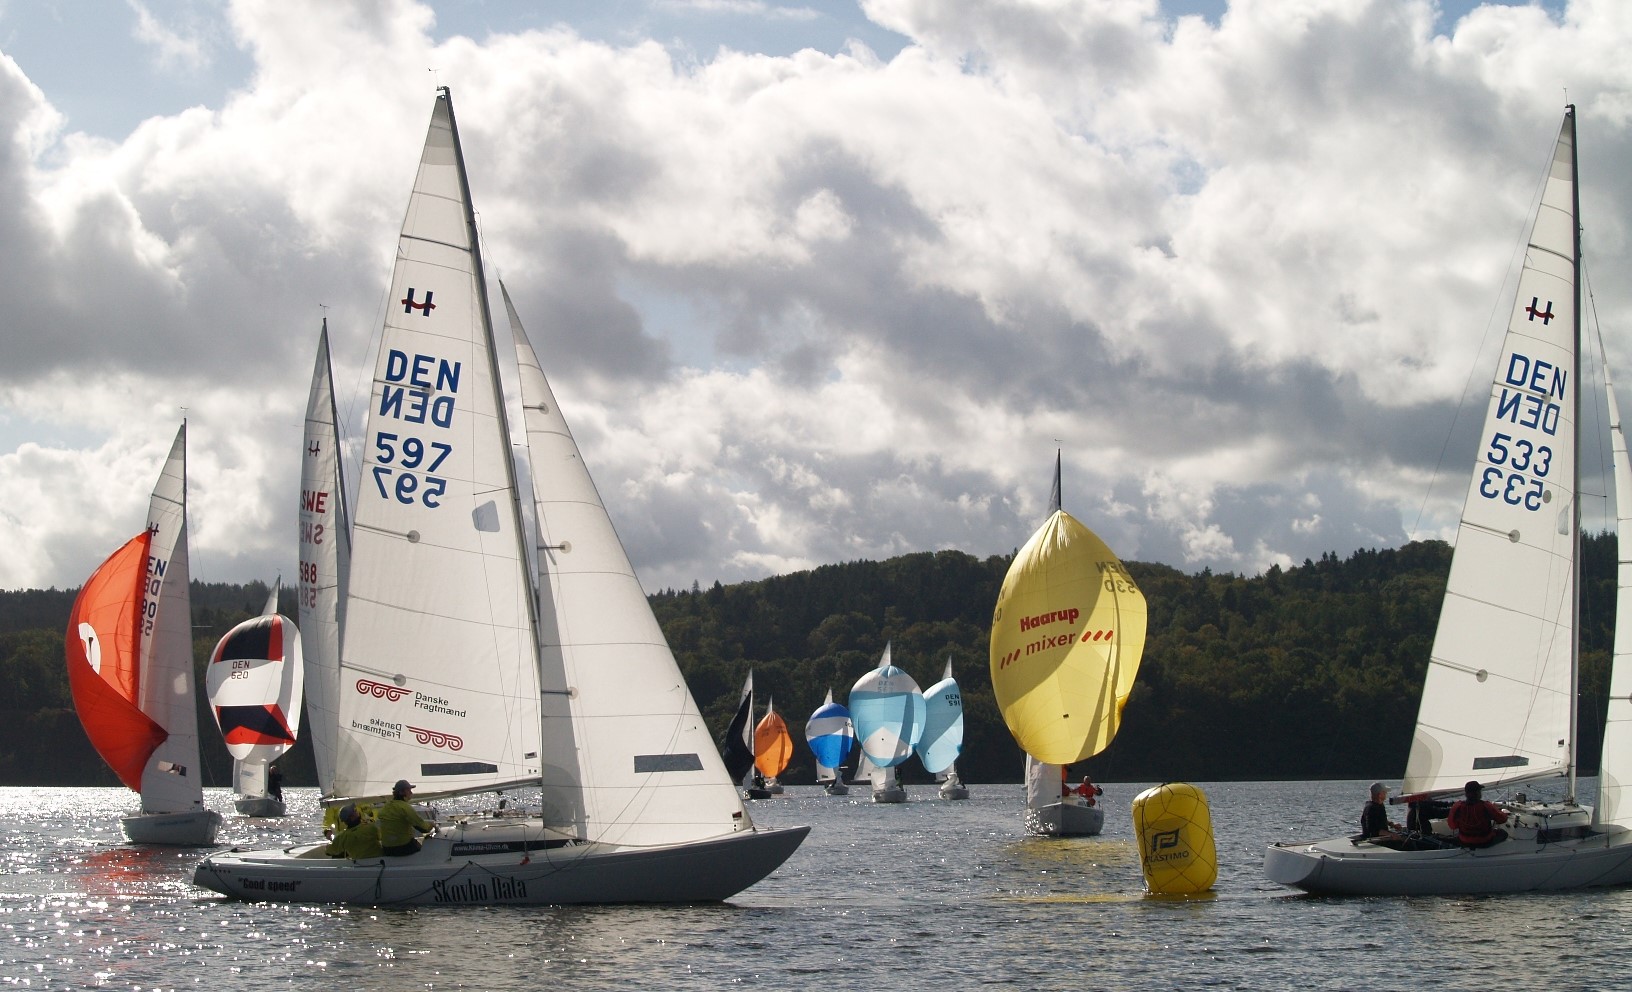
(1067, 637)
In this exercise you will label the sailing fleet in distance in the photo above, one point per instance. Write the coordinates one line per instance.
(566, 703)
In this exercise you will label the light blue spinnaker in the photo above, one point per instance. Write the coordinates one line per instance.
(888, 711)
(943, 725)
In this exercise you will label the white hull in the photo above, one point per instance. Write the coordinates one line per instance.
(837, 789)
(194, 828)
(259, 806)
(1531, 859)
(890, 794)
(954, 790)
(516, 863)
(1066, 819)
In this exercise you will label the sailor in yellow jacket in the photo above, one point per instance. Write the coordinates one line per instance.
(398, 820)
(356, 840)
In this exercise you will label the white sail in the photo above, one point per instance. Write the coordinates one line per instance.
(438, 570)
(325, 558)
(1496, 698)
(1615, 767)
(647, 767)
(170, 780)
(1043, 783)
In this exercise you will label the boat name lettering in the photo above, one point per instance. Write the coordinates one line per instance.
(379, 728)
(267, 885)
(480, 889)
(435, 704)
(314, 501)
(438, 738)
(240, 668)
(1069, 616)
(380, 690)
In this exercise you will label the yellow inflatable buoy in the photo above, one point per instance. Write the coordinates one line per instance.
(1175, 831)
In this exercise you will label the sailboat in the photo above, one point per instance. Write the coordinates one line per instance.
(497, 645)
(831, 737)
(1497, 700)
(773, 747)
(942, 742)
(889, 712)
(254, 681)
(1067, 637)
(130, 669)
(737, 746)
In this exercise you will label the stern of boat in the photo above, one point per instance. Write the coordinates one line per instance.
(193, 828)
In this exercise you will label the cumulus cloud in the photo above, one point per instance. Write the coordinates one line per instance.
(829, 305)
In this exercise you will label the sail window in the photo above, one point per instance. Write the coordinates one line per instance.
(645, 763)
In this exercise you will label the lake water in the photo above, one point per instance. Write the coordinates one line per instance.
(927, 895)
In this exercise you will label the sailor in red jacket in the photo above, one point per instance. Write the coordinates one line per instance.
(1474, 819)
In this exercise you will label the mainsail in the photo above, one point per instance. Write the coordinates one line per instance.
(439, 678)
(325, 560)
(1496, 700)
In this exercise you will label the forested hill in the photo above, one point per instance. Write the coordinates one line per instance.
(1307, 672)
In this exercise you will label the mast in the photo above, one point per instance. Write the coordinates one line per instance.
(1575, 582)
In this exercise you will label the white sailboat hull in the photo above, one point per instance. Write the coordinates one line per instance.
(1532, 858)
(891, 793)
(259, 806)
(1066, 819)
(954, 790)
(507, 864)
(194, 828)
(837, 788)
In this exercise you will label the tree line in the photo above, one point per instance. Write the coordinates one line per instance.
(1307, 672)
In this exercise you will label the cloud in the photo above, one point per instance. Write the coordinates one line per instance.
(828, 306)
